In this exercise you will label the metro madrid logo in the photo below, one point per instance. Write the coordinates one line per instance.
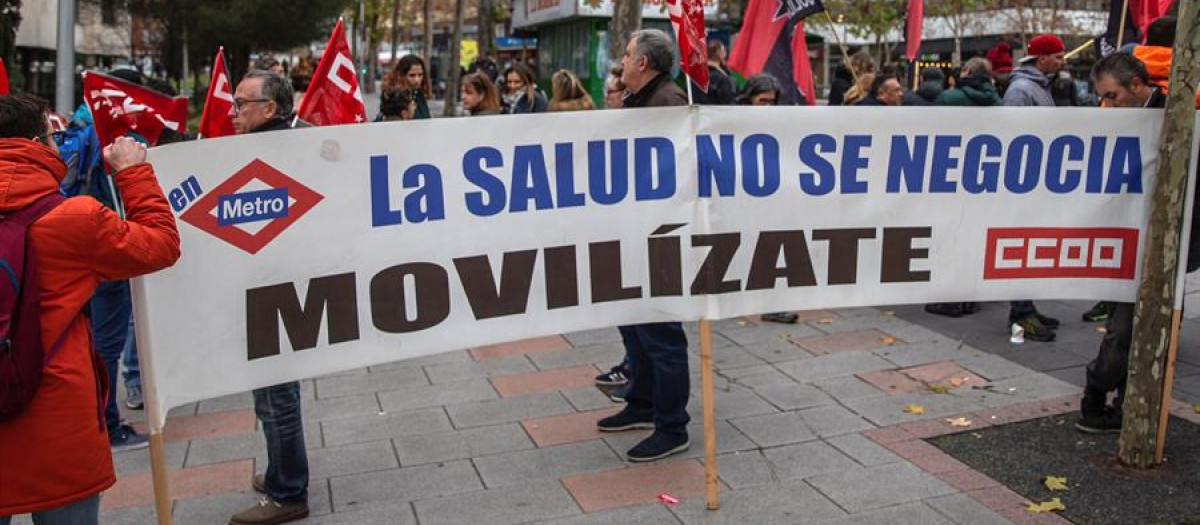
(253, 207)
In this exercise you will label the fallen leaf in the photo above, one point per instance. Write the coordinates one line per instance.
(785, 336)
(1101, 329)
(889, 312)
(888, 340)
(1196, 408)
(825, 320)
(958, 381)
(743, 323)
(1046, 506)
(977, 435)
(960, 422)
(939, 389)
(1056, 483)
(914, 409)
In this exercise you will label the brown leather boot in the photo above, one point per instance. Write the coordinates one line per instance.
(268, 512)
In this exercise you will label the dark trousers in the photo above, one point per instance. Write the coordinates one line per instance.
(1018, 310)
(278, 407)
(660, 382)
(110, 309)
(1109, 370)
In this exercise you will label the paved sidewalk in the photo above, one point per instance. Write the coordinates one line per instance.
(811, 429)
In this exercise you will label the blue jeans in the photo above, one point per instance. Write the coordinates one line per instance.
(660, 382)
(83, 512)
(110, 310)
(129, 360)
(278, 407)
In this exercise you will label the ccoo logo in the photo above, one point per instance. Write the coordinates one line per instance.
(253, 207)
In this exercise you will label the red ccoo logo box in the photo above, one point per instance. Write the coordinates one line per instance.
(1055, 253)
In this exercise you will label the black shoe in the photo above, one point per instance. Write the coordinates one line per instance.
(658, 446)
(622, 421)
(1050, 322)
(618, 395)
(970, 308)
(781, 317)
(1097, 313)
(1035, 330)
(1108, 422)
(614, 377)
(946, 309)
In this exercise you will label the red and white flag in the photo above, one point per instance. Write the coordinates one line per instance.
(687, 19)
(3, 78)
(916, 17)
(333, 96)
(216, 122)
(119, 107)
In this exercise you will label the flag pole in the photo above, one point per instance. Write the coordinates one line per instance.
(838, 38)
(1121, 28)
(1077, 50)
(689, 86)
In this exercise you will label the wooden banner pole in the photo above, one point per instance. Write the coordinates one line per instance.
(710, 423)
(838, 37)
(158, 470)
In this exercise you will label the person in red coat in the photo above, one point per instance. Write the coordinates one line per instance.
(54, 454)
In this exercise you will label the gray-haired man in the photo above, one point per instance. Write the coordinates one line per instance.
(263, 102)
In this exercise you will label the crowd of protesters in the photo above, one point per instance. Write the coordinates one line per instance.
(71, 456)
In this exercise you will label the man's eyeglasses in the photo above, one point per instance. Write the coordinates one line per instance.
(239, 103)
(57, 136)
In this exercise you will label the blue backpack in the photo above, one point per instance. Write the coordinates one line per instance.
(80, 150)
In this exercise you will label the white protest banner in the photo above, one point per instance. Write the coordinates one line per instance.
(312, 251)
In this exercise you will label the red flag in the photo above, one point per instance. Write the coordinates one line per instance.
(687, 19)
(916, 17)
(119, 107)
(333, 96)
(801, 66)
(3, 78)
(1146, 11)
(216, 122)
(774, 44)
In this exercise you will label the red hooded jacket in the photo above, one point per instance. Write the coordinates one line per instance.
(56, 451)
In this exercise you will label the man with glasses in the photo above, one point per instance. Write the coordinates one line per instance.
(262, 102)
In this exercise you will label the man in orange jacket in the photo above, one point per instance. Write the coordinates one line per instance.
(54, 454)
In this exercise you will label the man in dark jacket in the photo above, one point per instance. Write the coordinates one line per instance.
(658, 392)
(885, 91)
(974, 87)
(1121, 82)
(932, 85)
(720, 85)
(262, 103)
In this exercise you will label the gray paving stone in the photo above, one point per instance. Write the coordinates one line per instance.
(138, 461)
(909, 514)
(864, 489)
(455, 372)
(994, 367)
(1042, 357)
(503, 506)
(805, 460)
(604, 355)
(778, 350)
(773, 430)
(834, 365)
(421, 449)
(405, 484)
(785, 504)
(594, 337)
(833, 420)
(239, 401)
(745, 469)
(588, 398)
(384, 426)
(126, 516)
(179, 411)
(351, 459)
(766, 334)
(456, 356)
(921, 353)
(793, 396)
(1036, 386)
(1076, 375)
(863, 450)
(328, 387)
(847, 388)
(437, 395)
(755, 376)
(730, 405)
(731, 357)
(339, 407)
(653, 513)
(391, 513)
(227, 448)
(963, 510)
(546, 464)
(889, 410)
(493, 411)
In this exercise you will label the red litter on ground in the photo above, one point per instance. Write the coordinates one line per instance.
(668, 499)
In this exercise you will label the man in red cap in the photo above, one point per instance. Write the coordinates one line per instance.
(1030, 86)
(1030, 83)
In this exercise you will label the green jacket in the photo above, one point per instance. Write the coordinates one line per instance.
(970, 92)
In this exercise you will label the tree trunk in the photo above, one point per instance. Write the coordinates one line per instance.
(487, 26)
(395, 27)
(452, 69)
(627, 18)
(427, 31)
(1156, 299)
(371, 40)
